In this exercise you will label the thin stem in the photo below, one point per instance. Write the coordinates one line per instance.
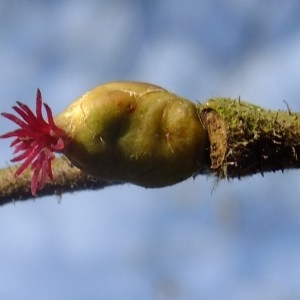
(244, 139)
(66, 179)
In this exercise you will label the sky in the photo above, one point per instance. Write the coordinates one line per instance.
(195, 240)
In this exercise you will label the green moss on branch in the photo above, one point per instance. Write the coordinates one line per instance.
(246, 139)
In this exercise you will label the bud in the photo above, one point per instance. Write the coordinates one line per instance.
(134, 132)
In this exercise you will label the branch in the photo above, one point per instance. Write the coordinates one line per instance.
(244, 139)
(66, 179)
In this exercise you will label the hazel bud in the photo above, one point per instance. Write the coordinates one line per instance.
(134, 132)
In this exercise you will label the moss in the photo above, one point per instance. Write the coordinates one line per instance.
(246, 139)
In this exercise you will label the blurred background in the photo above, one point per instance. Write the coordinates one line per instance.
(196, 240)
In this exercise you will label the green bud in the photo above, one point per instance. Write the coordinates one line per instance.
(134, 132)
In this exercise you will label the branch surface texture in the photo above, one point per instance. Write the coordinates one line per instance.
(66, 179)
(246, 139)
(142, 134)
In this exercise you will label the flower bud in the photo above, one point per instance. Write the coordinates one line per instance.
(134, 132)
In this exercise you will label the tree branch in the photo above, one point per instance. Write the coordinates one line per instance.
(244, 139)
(66, 179)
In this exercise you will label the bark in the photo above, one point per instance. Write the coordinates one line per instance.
(246, 139)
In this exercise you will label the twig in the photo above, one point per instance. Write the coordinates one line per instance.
(244, 139)
(67, 178)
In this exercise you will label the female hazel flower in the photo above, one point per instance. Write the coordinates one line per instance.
(120, 131)
(35, 141)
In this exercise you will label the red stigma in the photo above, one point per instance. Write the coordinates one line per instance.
(35, 141)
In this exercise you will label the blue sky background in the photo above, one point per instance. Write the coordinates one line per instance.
(194, 240)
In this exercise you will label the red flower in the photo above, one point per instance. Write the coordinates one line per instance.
(35, 140)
